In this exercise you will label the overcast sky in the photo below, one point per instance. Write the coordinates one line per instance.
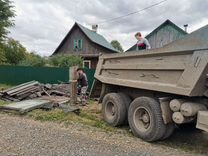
(40, 25)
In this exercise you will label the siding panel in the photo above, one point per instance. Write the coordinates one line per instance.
(164, 36)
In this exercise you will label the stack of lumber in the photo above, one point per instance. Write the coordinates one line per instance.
(21, 91)
(34, 89)
(33, 95)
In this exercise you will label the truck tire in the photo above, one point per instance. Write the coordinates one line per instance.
(114, 109)
(127, 100)
(169, 131)
(145, 119)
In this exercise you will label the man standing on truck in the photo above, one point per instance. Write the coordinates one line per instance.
(83, 85)
(142, 43)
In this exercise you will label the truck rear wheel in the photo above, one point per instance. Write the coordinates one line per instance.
(127, 102)
(145, 119)
(169, 131)
(126, 99)
(114, 109)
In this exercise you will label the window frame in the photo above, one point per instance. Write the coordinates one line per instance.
(87, 61)
(75, 44)
(78, 44)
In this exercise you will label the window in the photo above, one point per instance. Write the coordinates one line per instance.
(87, 64)
(78, 44)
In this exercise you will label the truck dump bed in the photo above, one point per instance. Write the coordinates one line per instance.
(180, 67)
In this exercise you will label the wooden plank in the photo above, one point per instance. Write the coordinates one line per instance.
(25, 90)
(73, 86)
(22, 87)
(18, 86)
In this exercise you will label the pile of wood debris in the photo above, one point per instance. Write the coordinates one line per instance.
(32, 95)
(34, 89)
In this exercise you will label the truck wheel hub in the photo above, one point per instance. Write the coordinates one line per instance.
(142, 119)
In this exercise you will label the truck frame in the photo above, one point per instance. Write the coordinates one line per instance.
(155, 90)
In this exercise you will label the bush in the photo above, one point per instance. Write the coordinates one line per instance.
(33, 59)
(65, 61)
(14, 52)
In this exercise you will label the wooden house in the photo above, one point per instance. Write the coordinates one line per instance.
(85, 43)
(165, 33)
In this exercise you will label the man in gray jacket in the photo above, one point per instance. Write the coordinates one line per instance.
(83, 85)
(142, 43)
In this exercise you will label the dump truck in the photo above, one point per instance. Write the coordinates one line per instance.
(155, 90)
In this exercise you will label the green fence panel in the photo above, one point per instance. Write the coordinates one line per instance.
(90, 75)
(17, 74)
(14, 75)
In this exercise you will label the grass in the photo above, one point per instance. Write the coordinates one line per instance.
(4, 86)
(90, 117)
(3, 103)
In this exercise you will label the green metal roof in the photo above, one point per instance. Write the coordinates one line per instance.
(96, 38)
(167, 22)
(93, 36)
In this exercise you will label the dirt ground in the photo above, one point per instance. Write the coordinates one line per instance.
(23, 136)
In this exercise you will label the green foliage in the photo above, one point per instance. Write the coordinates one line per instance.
(33, 59)
(4, 86)
(14, 52)
(6, 15)
(117, 45)
(65, 61)
(2, 55)
(2, 103)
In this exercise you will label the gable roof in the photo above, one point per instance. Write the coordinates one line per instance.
(167, 22)
(92, 36)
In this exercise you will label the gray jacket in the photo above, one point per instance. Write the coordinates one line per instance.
(143, 44)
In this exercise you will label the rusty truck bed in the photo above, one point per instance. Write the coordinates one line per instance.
(180, 67)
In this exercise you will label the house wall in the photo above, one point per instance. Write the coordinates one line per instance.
(164, 36)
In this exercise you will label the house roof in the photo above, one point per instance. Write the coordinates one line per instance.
(92, 36)
(167, 22)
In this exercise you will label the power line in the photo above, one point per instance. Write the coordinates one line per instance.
(131, 13)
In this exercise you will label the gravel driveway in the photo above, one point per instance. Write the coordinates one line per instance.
(21, 136)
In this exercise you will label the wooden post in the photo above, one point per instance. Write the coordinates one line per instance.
(73, 82)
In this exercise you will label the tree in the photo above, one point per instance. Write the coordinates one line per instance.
(33, 59)
(65, 61)
(6, 15)
(2, 55)
(14, 52)
(117, 45)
